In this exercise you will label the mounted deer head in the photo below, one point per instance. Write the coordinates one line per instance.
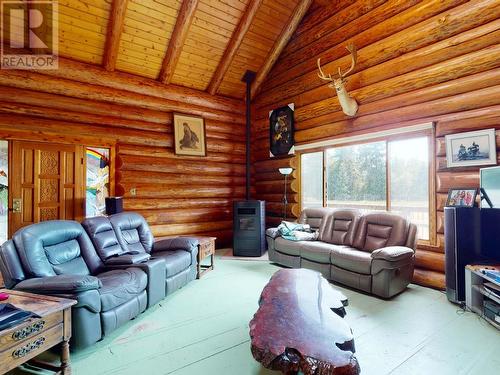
(348, 104)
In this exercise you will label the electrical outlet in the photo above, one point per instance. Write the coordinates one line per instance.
(133, 192)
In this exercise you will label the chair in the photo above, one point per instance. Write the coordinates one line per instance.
(136, 240)
(104, 238)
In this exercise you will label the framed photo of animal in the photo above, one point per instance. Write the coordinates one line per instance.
(189, 135)
(281, 131)
(471, 148)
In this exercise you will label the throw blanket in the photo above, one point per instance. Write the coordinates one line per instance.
(297, 232)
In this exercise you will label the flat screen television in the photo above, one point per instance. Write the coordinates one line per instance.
(490, 182)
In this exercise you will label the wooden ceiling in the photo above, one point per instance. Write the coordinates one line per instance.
(202, 44)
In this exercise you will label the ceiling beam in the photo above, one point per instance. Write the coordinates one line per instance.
(287, 32)
(234, 44)
(322, 3)
(179, 35)
(115, 28)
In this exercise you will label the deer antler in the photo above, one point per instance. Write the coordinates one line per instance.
(354, 57)
(323, 75)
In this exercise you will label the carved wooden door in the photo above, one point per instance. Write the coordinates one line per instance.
(47, 183)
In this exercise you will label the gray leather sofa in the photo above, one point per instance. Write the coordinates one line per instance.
(58, 258)
(126, 237)
(113, 268)
(374, 252)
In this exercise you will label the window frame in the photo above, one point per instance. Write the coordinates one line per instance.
(428, 133)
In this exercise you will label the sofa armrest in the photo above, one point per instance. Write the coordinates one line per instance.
(178, 243)
(63, 284)
(393, 253)
(273, 233)
(127, 259)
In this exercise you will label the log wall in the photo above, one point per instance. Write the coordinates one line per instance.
(418, 61)
(80, 103)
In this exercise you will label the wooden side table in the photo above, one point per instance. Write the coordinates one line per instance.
(206, 247)
(28, 339)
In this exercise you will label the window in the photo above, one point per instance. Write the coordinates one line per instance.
(356, 176)
(97, 188)
(312, 179)
(409, 181)
(390, 175)
(4, 190)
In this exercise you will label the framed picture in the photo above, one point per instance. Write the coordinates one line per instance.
(461, 197)
(281, 131)
(189, 135)
(471, 148)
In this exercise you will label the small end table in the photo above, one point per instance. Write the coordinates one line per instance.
(206, 247)
(32, 337)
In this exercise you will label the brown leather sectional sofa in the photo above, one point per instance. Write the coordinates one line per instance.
(373, 252)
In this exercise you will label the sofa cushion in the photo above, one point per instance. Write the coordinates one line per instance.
(287, 246)
(340, 227)
(103, 236)
(120, 286)
(351, 259)
(316, 251)
(314, 216)
(132, 232)
(379, 230)
(56, 247)
(176, 261)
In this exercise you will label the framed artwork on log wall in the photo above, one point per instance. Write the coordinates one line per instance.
(471, 148)
(281, 131)
(189, 135)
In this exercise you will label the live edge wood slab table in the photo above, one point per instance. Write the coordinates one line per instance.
(299, 326)
(32, 337)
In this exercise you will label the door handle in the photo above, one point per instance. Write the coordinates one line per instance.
(17, 205)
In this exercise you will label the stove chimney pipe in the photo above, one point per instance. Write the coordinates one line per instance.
(248, 79)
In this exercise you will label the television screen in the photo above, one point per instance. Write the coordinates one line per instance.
(490, 182)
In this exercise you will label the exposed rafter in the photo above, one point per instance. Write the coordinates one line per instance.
(115, 28)
(234, 44)
(323, 3)
(280, 43)
(179, 35)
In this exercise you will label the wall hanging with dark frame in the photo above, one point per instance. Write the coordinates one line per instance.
(281, 131)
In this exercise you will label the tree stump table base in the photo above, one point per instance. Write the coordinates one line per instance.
(299, 326)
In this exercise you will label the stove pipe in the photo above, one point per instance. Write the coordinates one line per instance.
(248, 79)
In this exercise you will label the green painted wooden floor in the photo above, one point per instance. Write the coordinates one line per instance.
(203, 329)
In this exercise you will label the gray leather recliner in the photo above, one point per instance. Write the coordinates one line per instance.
(58, 258)
(374, 252)
(180, 253)
(103, 236)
